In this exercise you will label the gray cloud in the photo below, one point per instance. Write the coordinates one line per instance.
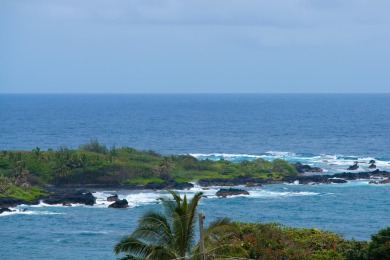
(208, 43)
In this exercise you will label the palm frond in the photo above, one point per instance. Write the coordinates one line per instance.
(133, 247)
(216, 241)
(221, 227)
(161, 253)
(153, 228)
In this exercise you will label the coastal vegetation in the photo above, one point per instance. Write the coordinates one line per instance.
(95, 164)
(171, 234)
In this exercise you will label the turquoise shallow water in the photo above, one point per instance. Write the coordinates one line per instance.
(330, 131)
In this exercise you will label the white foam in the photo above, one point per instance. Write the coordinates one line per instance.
(225, 156)
(42, 204)
(280, 154)
(329, 163)
(28, 212)
(143, 198)
(278, 194)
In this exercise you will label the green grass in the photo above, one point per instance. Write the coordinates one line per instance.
(94, 163)
(24, 194)
(140, 180)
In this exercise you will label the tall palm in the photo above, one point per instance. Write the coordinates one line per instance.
(171, 235)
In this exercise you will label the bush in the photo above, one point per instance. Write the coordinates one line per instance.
(275, 241)
(379, 247)
(94, 146)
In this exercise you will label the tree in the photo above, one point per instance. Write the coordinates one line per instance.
(171, 235)
(379, 247)
(164, 166)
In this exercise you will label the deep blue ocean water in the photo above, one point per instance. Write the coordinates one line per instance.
(328, 130)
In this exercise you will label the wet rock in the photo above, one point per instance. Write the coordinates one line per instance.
(387, 181)
(10, 202)
(120, 204)
(240, 180)
(230, 192)
(337, 180)
(372, 166)
(302, 168)
(353, 167)
(169, 185)
(5, 210)
(113, 198)
(71, 197)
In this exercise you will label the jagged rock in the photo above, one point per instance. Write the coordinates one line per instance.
(353, 167)
(69, 197)
(240, 180)
(113, 198)
(5, 210)
(302, 168)
(119, 204)
(372, 166)
(169, 185)
(230, 192)
(337, 180)
(10, 202)
(380, 182)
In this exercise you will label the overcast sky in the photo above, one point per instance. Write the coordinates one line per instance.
(199, 46)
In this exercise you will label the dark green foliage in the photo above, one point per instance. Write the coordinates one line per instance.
(93, 163)
(379, 247)
(355, 250)
(171, 234)
(26, 194)
(94, 146)
(275, 241)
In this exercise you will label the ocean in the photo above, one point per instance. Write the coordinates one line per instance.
(331, 131)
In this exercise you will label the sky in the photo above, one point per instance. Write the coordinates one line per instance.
(195, 46)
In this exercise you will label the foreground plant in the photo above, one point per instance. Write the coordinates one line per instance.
(171, 234)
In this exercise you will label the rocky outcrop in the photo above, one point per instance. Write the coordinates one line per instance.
(113, 198)
(353, 167)
(246, 180)
(169, 185)
(372, 166)
(302, 168)
(345, 176)
(5, 210)
(231, 192)
(8, 202)
(387, 181)
(337, 180)
(67, 197)
(120, 204)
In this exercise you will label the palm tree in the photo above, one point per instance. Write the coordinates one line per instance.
(171, 235)
(164, 166)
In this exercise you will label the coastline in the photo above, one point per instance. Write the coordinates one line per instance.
(82, 193)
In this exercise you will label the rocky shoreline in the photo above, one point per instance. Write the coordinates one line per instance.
(67, 195)
(302, 179)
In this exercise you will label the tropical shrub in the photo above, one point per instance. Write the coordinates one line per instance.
(171, 234)
(379, 247)
(276, 241)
